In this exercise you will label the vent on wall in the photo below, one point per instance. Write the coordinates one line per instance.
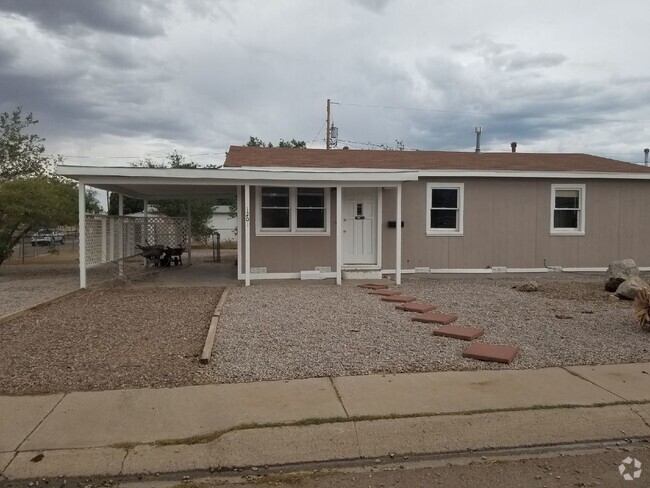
(258, 270)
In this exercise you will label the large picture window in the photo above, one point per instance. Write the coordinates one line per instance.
(568, 209)
(283, 210)
(445, 209)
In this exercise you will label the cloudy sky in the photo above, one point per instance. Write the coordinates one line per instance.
(114, 80)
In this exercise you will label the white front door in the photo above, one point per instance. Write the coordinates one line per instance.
(359, 226)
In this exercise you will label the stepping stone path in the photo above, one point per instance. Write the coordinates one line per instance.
(464, 333)
(482, 352)
(385, 293)
(435, 318)
(491, 352)
(373, 286)
(398, 299)
(415, 307)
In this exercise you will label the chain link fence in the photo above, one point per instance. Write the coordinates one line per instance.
(46, 247)
(215, 248)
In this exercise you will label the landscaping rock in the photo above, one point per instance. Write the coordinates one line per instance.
(628, 289)
(618, 272)
(529, 286)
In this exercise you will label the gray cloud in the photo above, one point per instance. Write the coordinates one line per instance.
(198, 76)
(372, 5)
(140, 19)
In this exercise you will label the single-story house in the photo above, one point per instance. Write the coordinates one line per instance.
(308, 213)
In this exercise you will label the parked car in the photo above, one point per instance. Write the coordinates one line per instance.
(45, 237)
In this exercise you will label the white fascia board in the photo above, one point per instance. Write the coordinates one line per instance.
(582, 175)
(229, 175)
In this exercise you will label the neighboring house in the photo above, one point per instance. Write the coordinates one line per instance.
(330, 213)
(223, 223)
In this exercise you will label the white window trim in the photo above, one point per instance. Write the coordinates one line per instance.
(293, 215)
(461, 210)
(582, 189)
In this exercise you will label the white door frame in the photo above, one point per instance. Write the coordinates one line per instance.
(377, 229)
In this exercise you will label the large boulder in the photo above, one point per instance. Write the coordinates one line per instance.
(618, 272)
(629, 288)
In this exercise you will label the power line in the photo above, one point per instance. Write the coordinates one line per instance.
(319, 131)
(497, 114)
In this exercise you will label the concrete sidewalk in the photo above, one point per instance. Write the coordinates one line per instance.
(123, 432)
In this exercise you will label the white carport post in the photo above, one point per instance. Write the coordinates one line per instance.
(398, 237)
(247, 239)
(339, 230)
(145, 234)
(189, 233)
(82, 235)
(121, 234)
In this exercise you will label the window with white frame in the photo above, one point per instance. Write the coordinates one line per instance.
(276, 208)
(568, 209)
(445, 209)
(282, 210)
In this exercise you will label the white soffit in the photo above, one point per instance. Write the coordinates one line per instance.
(99, 174)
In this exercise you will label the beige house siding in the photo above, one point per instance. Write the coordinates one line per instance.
(291, 254)
(507, 223)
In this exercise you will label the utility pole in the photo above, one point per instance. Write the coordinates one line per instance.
(327, 135)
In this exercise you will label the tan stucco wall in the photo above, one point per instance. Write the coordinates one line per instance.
(507, 223)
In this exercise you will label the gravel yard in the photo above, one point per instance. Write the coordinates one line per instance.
(24, 285)
(107, 338)
(273, 332)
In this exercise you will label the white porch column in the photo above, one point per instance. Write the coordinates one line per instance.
(82, 235)
(339, 233)
(189, 233)
(121, 234)
(247, 218)
(398, 237)
(239, 231)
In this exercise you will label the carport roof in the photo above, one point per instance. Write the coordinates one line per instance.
(153, 183)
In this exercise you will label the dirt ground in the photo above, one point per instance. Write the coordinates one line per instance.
(561, 470)
(107, 338)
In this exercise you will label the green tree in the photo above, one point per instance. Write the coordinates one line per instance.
(292, 144)
(131, 205)
(92, 203)
(21, 154)
(31, 196)
(32, 203)
(202, 210)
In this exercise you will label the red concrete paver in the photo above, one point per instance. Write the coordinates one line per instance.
(385, 293)
(372, 286)
(399, 299)
(491, 352)
(415, 307)
(435, 318)
(458, 332)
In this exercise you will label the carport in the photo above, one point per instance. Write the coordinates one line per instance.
(149, 184)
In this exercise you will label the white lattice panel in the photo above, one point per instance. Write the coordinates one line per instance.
(111, 238)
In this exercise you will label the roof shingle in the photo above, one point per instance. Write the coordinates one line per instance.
(242, 156)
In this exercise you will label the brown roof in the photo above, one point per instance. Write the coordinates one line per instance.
(239, 156)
